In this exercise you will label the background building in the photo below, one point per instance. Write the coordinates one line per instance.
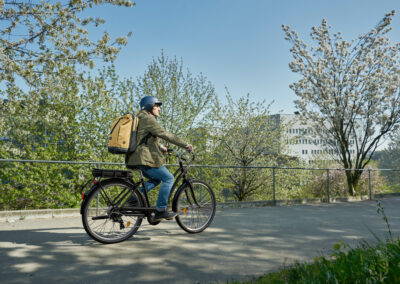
(302, 142)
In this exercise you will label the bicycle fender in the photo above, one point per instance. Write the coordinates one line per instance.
(84, 195)
(175, 199)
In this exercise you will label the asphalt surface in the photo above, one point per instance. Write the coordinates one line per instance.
(240, 244)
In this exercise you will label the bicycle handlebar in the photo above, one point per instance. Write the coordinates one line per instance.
(180, 155)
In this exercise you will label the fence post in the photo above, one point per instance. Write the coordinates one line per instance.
(273, 185)
(369, 184)
(327, 184)
(98, 195)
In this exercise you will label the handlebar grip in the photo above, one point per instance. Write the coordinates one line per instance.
(192, 153)
(180, 155)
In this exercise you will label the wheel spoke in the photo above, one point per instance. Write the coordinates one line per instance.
(194, 216)
(109, 230)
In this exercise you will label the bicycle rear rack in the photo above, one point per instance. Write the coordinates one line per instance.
(106, 173)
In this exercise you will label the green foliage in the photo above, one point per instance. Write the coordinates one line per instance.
(293, 183)
(364, 264)
(245, 134)
(39, 186)
(380, 210)
(337, 183)
(186, 98)
(69, 122)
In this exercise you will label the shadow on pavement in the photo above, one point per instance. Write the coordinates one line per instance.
(240, 243)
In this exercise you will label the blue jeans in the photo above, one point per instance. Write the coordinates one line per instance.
(155, 176)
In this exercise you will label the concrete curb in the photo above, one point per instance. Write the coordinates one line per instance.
(12, 216)
(249, 204)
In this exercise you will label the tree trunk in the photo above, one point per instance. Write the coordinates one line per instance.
(240, 185)
(353, 178)
(243, 192)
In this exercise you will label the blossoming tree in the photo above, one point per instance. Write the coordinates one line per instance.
(38, 37)
(349, 89)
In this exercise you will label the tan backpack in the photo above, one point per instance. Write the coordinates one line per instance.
(122, 137)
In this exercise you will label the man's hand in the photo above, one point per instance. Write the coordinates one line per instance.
(163, 149)
(189, 147)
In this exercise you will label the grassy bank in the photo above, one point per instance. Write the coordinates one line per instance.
(366, 263)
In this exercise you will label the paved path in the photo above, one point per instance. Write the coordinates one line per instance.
(240, 243)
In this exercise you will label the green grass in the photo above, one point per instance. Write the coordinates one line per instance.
(366, 263)
(393, 188)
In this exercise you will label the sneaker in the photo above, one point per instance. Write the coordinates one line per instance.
(132, 201)
(164, 215)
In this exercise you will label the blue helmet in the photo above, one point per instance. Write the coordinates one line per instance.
(148, 102)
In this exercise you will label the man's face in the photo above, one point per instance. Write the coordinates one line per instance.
(156, 110)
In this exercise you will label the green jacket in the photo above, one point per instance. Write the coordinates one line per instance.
(148, 151)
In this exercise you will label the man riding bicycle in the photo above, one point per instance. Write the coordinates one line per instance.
(148, 155)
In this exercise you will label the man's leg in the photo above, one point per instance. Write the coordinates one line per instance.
(150, 184)
(167, 180)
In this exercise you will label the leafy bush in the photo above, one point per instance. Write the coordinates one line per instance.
(338, 185)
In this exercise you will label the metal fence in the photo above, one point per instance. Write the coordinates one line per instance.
(27, 184)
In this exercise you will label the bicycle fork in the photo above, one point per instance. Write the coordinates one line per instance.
(191, 196)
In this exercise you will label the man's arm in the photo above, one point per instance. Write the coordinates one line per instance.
(156, 130)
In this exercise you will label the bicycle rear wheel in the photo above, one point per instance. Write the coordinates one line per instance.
(102, 217)
(195, 208)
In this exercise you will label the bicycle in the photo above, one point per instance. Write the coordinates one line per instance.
(108, 218)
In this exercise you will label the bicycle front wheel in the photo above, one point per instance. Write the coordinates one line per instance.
(103, 216)
(195, 206)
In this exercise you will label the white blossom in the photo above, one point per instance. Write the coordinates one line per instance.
(348, 82)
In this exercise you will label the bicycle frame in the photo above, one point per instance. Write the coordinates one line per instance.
(179, 174)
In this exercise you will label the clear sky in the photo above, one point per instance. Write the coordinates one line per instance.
(237, 44)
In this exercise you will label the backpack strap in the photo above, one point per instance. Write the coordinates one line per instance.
(115, 125)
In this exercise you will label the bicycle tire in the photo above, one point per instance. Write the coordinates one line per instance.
(112, 226)
(192, 217)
